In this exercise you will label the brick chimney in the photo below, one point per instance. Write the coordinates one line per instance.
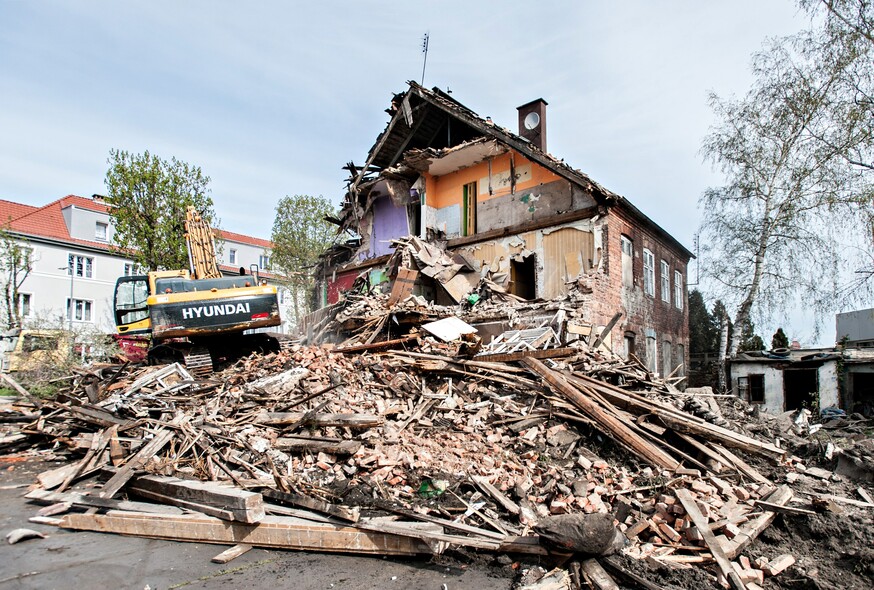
(532, 122)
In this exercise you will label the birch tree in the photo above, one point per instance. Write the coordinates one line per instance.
(796, 204)
(16, 264)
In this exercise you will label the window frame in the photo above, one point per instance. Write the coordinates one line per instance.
(97, 226)
(665, 277)
(24, 306)
(80, 266)
(678, 289)
(87, 310)
(264, 261)
(648, 272)
(626, 246)
(232, 256)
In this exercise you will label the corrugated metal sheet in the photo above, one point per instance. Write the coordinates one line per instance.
(565, 252)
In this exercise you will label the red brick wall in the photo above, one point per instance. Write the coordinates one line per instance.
(642, 314)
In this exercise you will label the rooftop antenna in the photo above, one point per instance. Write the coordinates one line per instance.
(425, 51)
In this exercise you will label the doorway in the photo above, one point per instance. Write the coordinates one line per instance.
(523, 281)
(800, 389)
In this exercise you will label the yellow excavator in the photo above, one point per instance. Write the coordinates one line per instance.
(197, 315)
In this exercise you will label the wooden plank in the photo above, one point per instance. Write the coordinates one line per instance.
(335, 510)
(403, 285)
(17, 387)
(77, 499)
(688, 501)
(782, 509)
(335, 447)
(322, 420)
(208, 497)
(232, 553)
(548, 353)
(754, 528)
(376, 345)
(597, 575)
(606, 331)
(501, 498)
(280, 532)
(126, 472)
(613, 563)
(609, 423)
(449, 524)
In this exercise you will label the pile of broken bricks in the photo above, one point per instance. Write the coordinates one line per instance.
(413, 448)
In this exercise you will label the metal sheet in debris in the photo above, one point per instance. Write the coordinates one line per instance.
(449, 329)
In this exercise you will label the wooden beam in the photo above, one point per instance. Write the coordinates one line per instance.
(339, 420)
(606, 421)
(279, 532)
(754, 528)
(232, 553)
(221, 501)
(598, 577)
(335, 447)
(548, 353)
(376, 345)
(77, 499)
(527, 226)
(688, 501)
(335, 510)
(126, 472)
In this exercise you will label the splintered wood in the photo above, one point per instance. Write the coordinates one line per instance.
(438, 443)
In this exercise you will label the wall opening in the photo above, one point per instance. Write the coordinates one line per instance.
(800, 389)
(862, 393)
(469, 209)
(523, 277)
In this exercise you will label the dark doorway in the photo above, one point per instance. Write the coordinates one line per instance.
(863, 393)
(523, 282)
(800, 389)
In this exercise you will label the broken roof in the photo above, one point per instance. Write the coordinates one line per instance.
(430, 125)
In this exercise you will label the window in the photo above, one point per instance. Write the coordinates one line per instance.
(264, 261)
(627, 262)
(131, 269)
(752, 388)
(468, 206)
(648, 273)
(232, 256)
(24, 304)
(681, 360)
(651, 352)
(82, 266)
(678, 289)
(80, 308)
(666, 282)
(629, 345)
(100, 231)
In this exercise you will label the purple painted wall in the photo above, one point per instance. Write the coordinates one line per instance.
(389, 222)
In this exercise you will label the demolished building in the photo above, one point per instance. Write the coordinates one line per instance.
(513, 214)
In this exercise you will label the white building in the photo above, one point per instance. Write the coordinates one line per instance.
(74, 269)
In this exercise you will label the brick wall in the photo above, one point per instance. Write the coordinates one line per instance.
(643, 315)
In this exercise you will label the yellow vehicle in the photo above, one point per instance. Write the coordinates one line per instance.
(29, 350)
(197, 315)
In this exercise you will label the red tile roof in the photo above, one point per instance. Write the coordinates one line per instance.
(230, 236)
(48, 221)
(10, 210)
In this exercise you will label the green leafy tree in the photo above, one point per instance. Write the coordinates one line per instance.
(779, 340)
(16, 264)
(750, 341)
(147, 198)
(300, 234)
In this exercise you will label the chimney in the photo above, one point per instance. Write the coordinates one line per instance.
(532, 122)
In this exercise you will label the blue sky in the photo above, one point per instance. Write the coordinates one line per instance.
(273, 98)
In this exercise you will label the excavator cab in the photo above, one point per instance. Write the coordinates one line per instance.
(131, 304)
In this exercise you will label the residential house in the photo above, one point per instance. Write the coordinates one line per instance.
(72, 280)
(441, 172)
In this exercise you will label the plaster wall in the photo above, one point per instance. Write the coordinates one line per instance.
(773, 381)
(829, 392)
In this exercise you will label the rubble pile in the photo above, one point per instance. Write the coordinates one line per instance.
(412, 430)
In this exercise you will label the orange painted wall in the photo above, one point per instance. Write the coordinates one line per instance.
(442, 191)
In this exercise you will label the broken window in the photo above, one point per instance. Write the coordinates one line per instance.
(666, 282)
(522, 276)
(678, 289)
(648, 273)
(468, 207)
(751, 388)
(627, 262)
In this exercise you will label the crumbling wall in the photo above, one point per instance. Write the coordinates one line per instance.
(773, 382)
(644, 316)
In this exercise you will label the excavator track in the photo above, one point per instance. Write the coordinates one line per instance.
(198, 362)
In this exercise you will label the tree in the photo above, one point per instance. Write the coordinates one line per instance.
(750, 341)
(703, 330)
(779, 340)
(147, 198)
(779, 227)
(300, 234)
(16, 263)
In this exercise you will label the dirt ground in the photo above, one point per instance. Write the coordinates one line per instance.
(66, 559)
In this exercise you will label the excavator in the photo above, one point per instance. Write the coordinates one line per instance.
(197, 315)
